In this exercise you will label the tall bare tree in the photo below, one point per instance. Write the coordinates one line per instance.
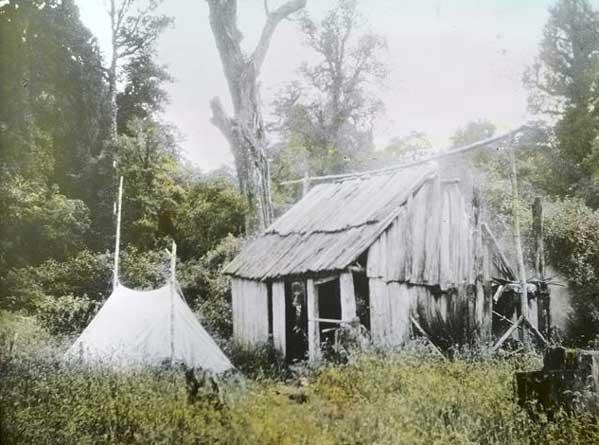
(245, 130)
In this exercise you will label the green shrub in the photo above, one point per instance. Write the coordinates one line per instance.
(66, 315)
(403, 398)
(207, 290)
(257, 362)
(573, 246)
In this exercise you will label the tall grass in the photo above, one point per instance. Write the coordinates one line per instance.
(400, 398)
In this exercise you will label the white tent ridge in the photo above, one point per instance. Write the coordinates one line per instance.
(147, 328)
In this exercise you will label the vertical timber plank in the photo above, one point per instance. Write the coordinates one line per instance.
(279, 326)
(313, 325)
(348, 296)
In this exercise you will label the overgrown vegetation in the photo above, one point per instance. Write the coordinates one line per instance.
(402, 398)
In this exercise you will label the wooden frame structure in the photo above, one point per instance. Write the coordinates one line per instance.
(412, 235)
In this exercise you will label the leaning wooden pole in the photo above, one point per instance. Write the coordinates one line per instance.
(117, 247)
(543, 294)
(518, 243)
(172, 309)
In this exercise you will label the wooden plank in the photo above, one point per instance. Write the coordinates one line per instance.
(487, 323)
(279, 325)
(313, 324)
(445, 243)
(250, 311)
(508, 333)
(423, 332)
(324, 280)
(379, 310)
(433, 234)
(419, 207)
(543, 294)
(236, 309)
(348, 296)
(518, 243)
(399, 300)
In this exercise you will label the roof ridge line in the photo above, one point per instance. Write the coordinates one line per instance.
(444, 153)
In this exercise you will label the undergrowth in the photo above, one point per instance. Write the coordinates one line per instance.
(407, 397)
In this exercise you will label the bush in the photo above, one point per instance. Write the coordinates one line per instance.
(66, 315)
(573, 246)
(207, 290)
(403, 398)
(257, 362)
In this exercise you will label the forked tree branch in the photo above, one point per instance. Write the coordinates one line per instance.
(272, 20)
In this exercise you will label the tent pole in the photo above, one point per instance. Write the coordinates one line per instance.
(172, 315)
(117, 247)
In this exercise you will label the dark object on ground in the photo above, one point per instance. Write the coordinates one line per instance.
(569, 380)
(202, 385)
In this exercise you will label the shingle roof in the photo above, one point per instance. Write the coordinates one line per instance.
(330, 227)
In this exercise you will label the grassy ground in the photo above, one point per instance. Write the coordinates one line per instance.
(404, 398)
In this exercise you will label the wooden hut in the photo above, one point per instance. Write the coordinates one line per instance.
(392, 248)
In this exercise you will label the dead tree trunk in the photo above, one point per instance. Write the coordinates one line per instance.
(245, 129)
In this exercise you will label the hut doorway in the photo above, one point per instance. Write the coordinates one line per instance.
(296, 314)
(329, 307)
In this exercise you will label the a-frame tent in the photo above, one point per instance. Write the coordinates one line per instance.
(147, 328)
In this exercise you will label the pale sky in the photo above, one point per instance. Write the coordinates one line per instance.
(451, 61)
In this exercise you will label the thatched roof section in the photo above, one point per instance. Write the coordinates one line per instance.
(331, 226)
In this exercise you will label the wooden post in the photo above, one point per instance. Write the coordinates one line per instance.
(117, 247)
(543, 295)
(518, 242)
(313, 324)
(279, 326)
(172, 314)
(348, 296)
(305, 184)
(480, 316)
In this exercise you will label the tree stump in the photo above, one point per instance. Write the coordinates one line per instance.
(569, 380)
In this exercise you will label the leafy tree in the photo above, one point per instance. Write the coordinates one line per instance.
(414, 146)
(135, 28)
(149, 167)
(143, 96)
(472, 132)
(326, 117)
(210, 211)
(52, 94)
(37, 223)
(572, 242)
(564, 84)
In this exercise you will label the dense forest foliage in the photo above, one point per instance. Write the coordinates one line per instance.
(60, 167)
(60, 162)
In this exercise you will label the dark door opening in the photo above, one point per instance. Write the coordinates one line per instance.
(329, 306)
(296, 316)
(362, 299)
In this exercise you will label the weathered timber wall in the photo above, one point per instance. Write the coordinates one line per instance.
(250, 311)
(429, 243)
(279, 326)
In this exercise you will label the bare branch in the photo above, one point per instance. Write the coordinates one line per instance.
(220, 119)
(272, 20)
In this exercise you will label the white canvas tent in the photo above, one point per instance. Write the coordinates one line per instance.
(147, 328)
(138, 328)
